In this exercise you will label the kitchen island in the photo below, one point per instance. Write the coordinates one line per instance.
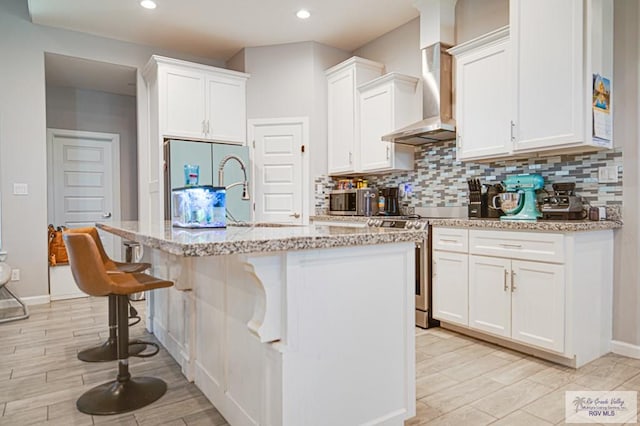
(288, 325)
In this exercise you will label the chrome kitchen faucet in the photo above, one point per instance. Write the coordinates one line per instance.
(244, 183)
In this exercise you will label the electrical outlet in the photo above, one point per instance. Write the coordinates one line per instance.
(15, 275)
(20, 189)
(608, 174)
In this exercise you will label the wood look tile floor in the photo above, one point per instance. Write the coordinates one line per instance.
(460, 380)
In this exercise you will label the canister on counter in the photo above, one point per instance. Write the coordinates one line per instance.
(597, 213)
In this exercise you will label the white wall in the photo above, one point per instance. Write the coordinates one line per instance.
(93, 111)
(474, 18)
(288, 81)
(23, 128)
(626, 73)
(398, 50)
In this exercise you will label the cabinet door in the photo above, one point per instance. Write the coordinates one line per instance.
(490, 295)
(376, 120)
(547, 43)
(226, 109)
(537, 304)
(184, 103)
(450, 287)
(483, 102)
(341, 122)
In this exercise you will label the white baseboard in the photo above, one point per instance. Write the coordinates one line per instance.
(32, 300)
(626, 349)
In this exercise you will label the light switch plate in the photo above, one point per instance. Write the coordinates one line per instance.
(608, 174)
(20, 189)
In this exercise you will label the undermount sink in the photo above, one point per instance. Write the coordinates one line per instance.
(260, 224)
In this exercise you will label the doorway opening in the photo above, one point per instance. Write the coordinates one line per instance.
(92, 147)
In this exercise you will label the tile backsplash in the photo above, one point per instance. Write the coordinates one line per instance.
(438, 180)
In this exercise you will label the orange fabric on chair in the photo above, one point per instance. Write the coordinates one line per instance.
(90, 273)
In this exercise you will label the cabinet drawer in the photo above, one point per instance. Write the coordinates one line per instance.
(533, 246)
(451, 239)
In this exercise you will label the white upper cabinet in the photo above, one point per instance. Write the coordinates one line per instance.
(387, 104)
(527, 89)
(183, 97)
(483, 97)
(226, 111)
(195, 101)
(343, 112)
(548, 44)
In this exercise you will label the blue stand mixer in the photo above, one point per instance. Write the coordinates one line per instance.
(519, 202)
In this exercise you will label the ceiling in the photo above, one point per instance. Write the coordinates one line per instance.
(218, 29)
(214, 29)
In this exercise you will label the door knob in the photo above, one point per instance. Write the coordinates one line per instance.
(106, 215)
(296, 215)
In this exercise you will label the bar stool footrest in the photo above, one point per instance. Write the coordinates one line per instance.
(143, 342)
(108, 351)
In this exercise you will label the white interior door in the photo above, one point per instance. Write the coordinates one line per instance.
(84, 181)
(278, 164)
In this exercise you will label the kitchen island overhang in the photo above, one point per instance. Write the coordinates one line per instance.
(288, 325)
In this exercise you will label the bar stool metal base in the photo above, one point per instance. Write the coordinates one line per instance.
(108, 351)
(121, 396)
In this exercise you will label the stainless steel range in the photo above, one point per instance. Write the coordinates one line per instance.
(424, 317)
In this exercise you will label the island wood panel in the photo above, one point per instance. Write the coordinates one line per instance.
(343, 313)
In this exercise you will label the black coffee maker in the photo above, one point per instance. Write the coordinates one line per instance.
(390, 205)
(487, 201)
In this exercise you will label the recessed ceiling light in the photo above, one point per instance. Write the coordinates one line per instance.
(148, 4)
(303, 14)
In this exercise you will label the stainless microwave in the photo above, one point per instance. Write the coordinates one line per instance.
(354, 202)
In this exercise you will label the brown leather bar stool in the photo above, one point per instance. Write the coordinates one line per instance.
(125, 393)
(108, 351)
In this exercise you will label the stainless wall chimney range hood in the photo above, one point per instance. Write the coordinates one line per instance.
(436, 25)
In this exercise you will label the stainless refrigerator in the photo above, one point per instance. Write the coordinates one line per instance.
(208, 155)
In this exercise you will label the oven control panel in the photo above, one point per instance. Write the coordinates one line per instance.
(397, 223)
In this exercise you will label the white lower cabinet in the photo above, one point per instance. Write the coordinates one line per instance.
(450, 287)
(450, 274)
(517, 299)
(490, 295)
(537, 304)
(547, 293)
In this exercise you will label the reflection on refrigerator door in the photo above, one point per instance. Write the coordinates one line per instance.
(208, 157)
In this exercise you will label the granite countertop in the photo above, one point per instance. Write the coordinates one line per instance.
(254, 238)
(541, 225)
